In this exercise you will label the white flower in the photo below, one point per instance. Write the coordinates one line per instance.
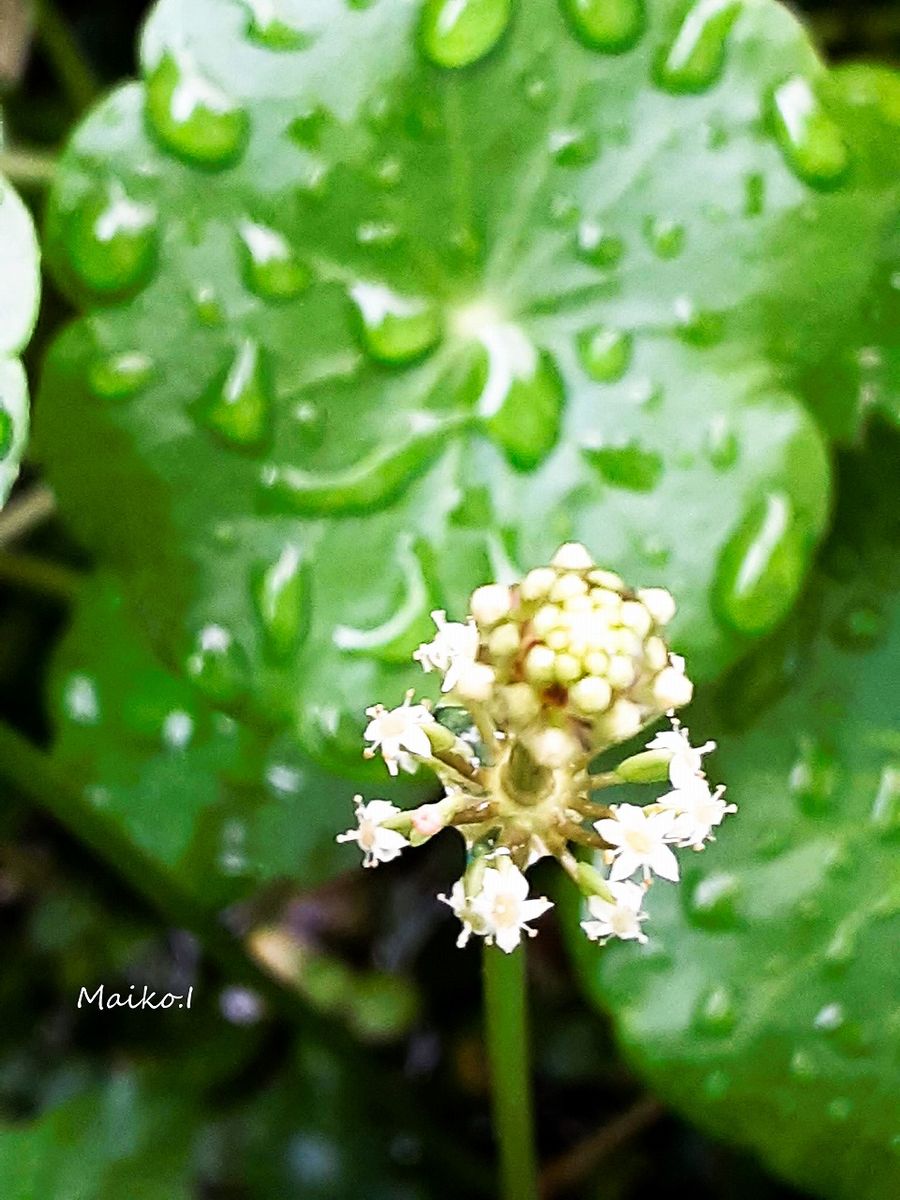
(377, 843)
(502, 906)
(398, 733)
(697, 811)
(686, 763)
(453, 650)
(462, 907)
(671, 687)
(619, 918)
(639, 840)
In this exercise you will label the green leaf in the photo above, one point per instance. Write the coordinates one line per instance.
(19, 295)
(764, 1004)
(356, 340)
(215, 806)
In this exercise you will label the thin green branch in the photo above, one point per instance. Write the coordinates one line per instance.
(506, 1022)
(564, 1174)
(75, 74)
(38, 575)
(28, 168)
(25, 511)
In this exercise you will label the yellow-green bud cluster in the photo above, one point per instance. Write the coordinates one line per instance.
(577, 658)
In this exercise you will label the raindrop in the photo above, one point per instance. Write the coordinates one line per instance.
(207, 306)
(563, 210)
(80, 701)
(605, 353)
(813, 779)
(307, 128)
(803, 1065)
(840, 952)
(840, 1109)
(626, 465)
(664, 236)
(598, 247)
(654, 551)
(886, 808)
(388, 172)
(697, 326)
(721, 444)
(232, 852)
(192, 116)
(270, 27)
(7, 432)
(238, 407)
(395, 328)
(112, 241)
(574, 147)
(281, 596)
(457, 33)
(811, 142)
(177, 729)
(271, 269)
(859, 627)
(608, 25)
(118, 376)
(695, 58)
(716, 1084)
(754, 194)
(217, 665)
(393, 640)
(715, 1012)
(378, 233)
(712, 901)
(761, 566)
(537, 91)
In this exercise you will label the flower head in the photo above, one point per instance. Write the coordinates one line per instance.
(686, 763)
(639, 841)
(399, 734)
(502, 907)
(620, 917)
(461, 904)
(378, 843)
(452, 651)
(697, 810)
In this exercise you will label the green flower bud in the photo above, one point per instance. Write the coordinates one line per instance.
(650, 766)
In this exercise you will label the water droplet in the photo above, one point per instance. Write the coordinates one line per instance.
(7, 432)
(307, 128)
(811, 142)
(859, 626)
(654, 550)
(112, 241)
(721, 444)
(715, 1012)
(716, 1084)
(563, 210)
(665, 237)
(840, 1109)
(388, 172)
(813, 779)
(118, 376)
(393, 640)
(538, 92)
(598, 247)
(574, 147)
(271, 27)
(840, 952)
(754, 194)
(80, 701)
(207, 306)
(238, 406)
(192, 116)
(886, 808)
(697, 326)
(232, 851)
(378, 233)
(217, 665)
(845, 1035)
(761, 567)
(803, 1065)
(712, 901)
(177, 729)
(627, 465)
(395, 328)
(457, 33)
(271, 268)
(520, 393)
(281, 595)
(605, 353)
(608, 25)
(695, 58)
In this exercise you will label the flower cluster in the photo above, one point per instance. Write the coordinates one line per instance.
(541, 677)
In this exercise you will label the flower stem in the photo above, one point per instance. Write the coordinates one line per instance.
(71, 67)
(506, 1023)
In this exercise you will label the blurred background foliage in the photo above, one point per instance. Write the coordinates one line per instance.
(334, 1048)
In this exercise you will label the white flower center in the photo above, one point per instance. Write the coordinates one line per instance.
(368, 833)
(638, 841)
(506, 910)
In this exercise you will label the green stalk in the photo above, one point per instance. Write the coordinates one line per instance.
(28, 168)
(65, 56)
(506, 1022)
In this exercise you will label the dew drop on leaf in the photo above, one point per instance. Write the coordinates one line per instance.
(80, 701)
(695, 58)
(697, 326)
(859, 627)
(7, 432)
(111, 241)
(811, 142)
(712, 900)
(886, 807)
(665, 236)
(803, 1065)
(754, 194)
(206, 305)
(395, 328)
(217, 665)
(715, 1014)
(118, 376)
(394, 639)
(457, 33)
(608, 25)
(271, 269)
(270, 27)
(761, 566)
(596, 246)
(192, 116)
(720, 443)
(604, 353)
(238, 406)
(626, 465)
(281, 599)
(574, 147)
(813, 779)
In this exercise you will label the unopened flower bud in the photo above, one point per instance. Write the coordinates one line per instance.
(637, 617)
(504, 641)
(441, 738)
(672, 689)
(590, 695)
(539, 664)
(427, 820)
(596, 662)
(476, 682)
(567, 586)
(606, 579)
(554, 748)
(655, 653)
(522, 705)
(546, 619)
(537, 583)
(620, 671)
(490, 603)
(591, 882)
(650, 766)
(659, 602)
(621, 722)
(572, 557)
(567, 668)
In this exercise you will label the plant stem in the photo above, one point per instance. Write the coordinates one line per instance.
(38, 575)
(28, 168)
(65, 56)
(506, 1022)
(25, 511)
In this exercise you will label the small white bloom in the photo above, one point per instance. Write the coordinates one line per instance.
(502, 906)
(490, 603)
(398, 733)
(639, 841)
(377, 843)
(453, 650)
(671, 687)
(697, 811)
(619, 918)
(462, 907)
(659, 603)
(476, 682)
(686, 763)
